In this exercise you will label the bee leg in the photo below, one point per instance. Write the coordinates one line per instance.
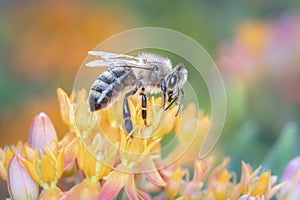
(170, 96)
(172, 102)
(144, 106)
(180, 102)
(164, 90)
(126, 111)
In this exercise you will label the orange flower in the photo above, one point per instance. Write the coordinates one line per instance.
(77, 116)
(261, 187)
(47, 168)
(247, 177)
(135, 158)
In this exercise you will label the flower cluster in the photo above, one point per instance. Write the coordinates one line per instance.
(97, 159)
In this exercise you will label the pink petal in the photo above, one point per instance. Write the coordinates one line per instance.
(70, 152)
(131, 189)
(52, 194)
(291, 170)
(144, 195)
(113, 185)
(83, 190)
(42, 132)
(245, 197)
(152, 173)
(20, 185)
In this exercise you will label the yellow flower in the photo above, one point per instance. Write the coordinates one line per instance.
(104, 151)
(160, 122)
(261, 187)
(219, 184)
(77, 116)
(138, 150)
(47, 168)
(5, 155)
(190, 128)
(135, 157)
(247, 177)
(174, 183)
(95, 168)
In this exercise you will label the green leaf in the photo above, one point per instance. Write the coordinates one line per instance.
(283, 150)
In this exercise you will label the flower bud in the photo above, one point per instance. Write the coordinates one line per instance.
(42, 132)
(20, 185)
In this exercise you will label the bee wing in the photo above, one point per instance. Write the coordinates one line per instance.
(115, 60)
(112, 63)
(108, 55)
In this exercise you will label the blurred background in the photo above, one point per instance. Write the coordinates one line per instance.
(256, 45)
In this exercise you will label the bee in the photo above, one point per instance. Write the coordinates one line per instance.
(146, 73)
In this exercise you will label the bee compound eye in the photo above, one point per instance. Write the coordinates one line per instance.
(172, 81)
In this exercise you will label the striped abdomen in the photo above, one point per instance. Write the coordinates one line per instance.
(110, 85)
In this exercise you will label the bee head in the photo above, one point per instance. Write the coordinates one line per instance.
(176, 79)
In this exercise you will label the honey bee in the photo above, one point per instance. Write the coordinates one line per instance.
(146, 73)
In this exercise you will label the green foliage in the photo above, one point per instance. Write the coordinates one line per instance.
(283, 150)
(246, 141)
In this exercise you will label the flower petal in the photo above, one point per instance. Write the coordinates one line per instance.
(221, 187)
(83, 190)
(175, 183)
(3, 172)
(130, 188)
(245, 178)
(20, 185)
(153, 174)
(201, 168)
(291, 170)
(8, 155)
(144, 195)
(65, 105)
(71, 151)
(51, 194)
(67, 111)
(247, 197)
(29, 153)
(262, 184)
(31, 169)
(113, 185)
(47, 170)
(86, 161)
(59, 165)
(85, 119)
(291, 175)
